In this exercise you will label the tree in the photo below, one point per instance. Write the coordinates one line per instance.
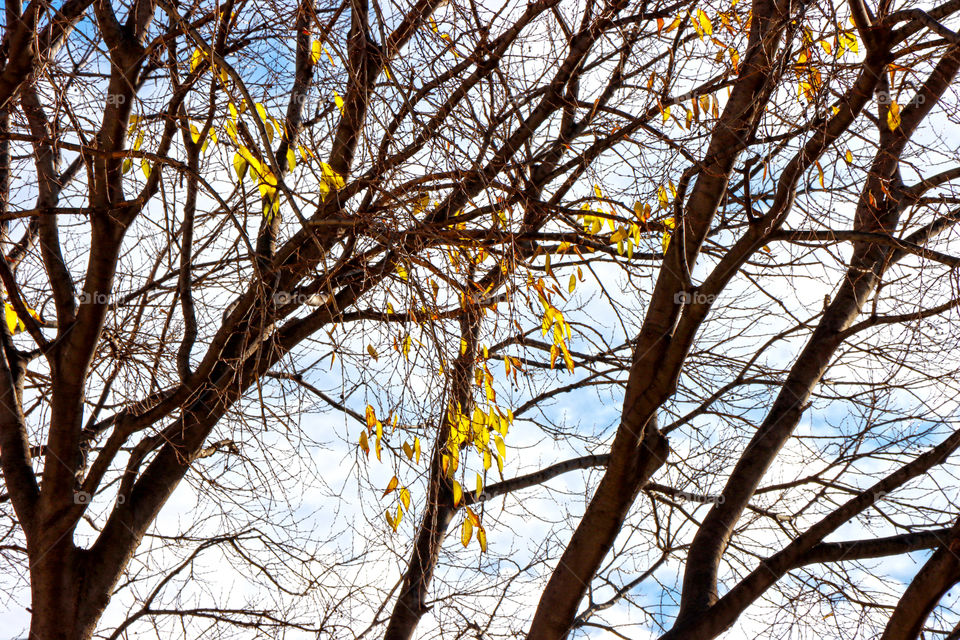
(701, 253)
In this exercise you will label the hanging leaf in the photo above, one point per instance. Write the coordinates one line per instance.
(466, 532)
(240, 166)
(391, 486)
(482, 539)
(893, 115)
(14, 323)
(457, 493)
(405, 498)
(365, 443)
(665, 241)
(195, 60)
(705, 26)
(316, 52)
(373, 352)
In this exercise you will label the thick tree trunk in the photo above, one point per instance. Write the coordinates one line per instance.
(58, 591)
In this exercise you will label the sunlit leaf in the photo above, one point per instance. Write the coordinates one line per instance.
(457, 493)
(391, 486)
(893, 115)
(364, 443)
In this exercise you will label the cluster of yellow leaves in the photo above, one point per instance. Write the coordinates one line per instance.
(471, 521)
(137, 143)
(411, 449)
(479, 429)
(14, 324)
(244, 161)
(403, 502)
(704, 27)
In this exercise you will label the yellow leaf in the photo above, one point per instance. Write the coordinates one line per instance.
(364, 443)
(416, 449)
(893, 115)
(673, 25)
(337, 100)
(662, 197)
(316, 52)
(194, 133)
(371, 417)
(573, 282)
(14, 323)
(405, 498)
(145, 167)
(457, 493)
(390, 521)
(466, 532)
(239, 165)
(479, 485)
(233, 111)
(666, 114)
(391, 486)
(373, 352)
(331, 178)
(195, 60)
(848, 157)
(127, 165)
(849, 41)
(501, 447)
(598, 192)
(704, 21)
(407, 450)
(291, 159)
(482, 539)
(262, 112)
